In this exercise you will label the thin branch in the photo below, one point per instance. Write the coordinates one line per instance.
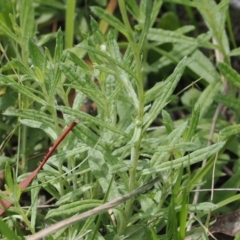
(216, 189)
(103, 208)
(5, 204)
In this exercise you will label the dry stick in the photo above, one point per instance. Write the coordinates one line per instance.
(112, 4)
(103, 208)
(215, 190)
(4, 204)
(219, 58)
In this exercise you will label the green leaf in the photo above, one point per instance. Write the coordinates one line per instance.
(35, 54)
(54, 160)
(79, 62)
(215, 21)
(85, 116)
(229, 73)
(102, 173)
(6, 101)
(171, 83)
(165, 36)
(92, 140)
(178, 52)
(206, 98)
(5, 30)
(146, 7)
(155, 91)
(170, 21)
(235, 52)
(120, 71)
(36, 124)
(133, 8)
(85, 85)
(22, 68)
(52, 3)
(183, 214)
(34, 200)
(27, 91)
(98, 35)
(186, 146)
(109, 59)
(228, 101)
(190, 159)
(203, 67)
(193, 124)
(230, 130)
(171, 140)
(167, 121)
(94, 25)
(157, 4)
(200, 173)
(27, 21)
(33, 115)
(8, 232)
(109, 18)
(6, 8)
(8, 177)
(54, 75)
(73, 208)
(203, 206)
(223, 4)
(237, 237)
(186, 2)
(190, 96)
(59, 46)
(223, 203)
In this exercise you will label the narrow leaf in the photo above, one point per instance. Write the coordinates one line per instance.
(147, 9)
(35, 54)
(35, 124)
(73, 208)
(167, 121)
(164, 36)
(109, 18)
(170, 86)
(59, 46)
(229, 73)
(85, 116)
(27, 91)
(7, 231)
(101, 171)
(193, 124)
(5, 30)
(230, 130)
(228, 101)
(79, 62)
(206, 98)
(33, 115)
(27, 23)
(190, 159)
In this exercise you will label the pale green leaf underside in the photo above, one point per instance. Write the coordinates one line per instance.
(190, 159)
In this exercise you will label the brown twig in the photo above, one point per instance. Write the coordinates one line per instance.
(5, 204)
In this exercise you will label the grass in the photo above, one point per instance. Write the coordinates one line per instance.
(156, 104)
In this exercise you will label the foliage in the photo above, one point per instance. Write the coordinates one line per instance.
(156, 93)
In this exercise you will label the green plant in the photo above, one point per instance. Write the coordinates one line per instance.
(118, 150)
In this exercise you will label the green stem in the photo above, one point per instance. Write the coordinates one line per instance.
(70, 13)
(136, 148)
(23, 147)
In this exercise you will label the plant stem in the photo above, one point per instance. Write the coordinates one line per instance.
(138, 128)
(70, 13)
